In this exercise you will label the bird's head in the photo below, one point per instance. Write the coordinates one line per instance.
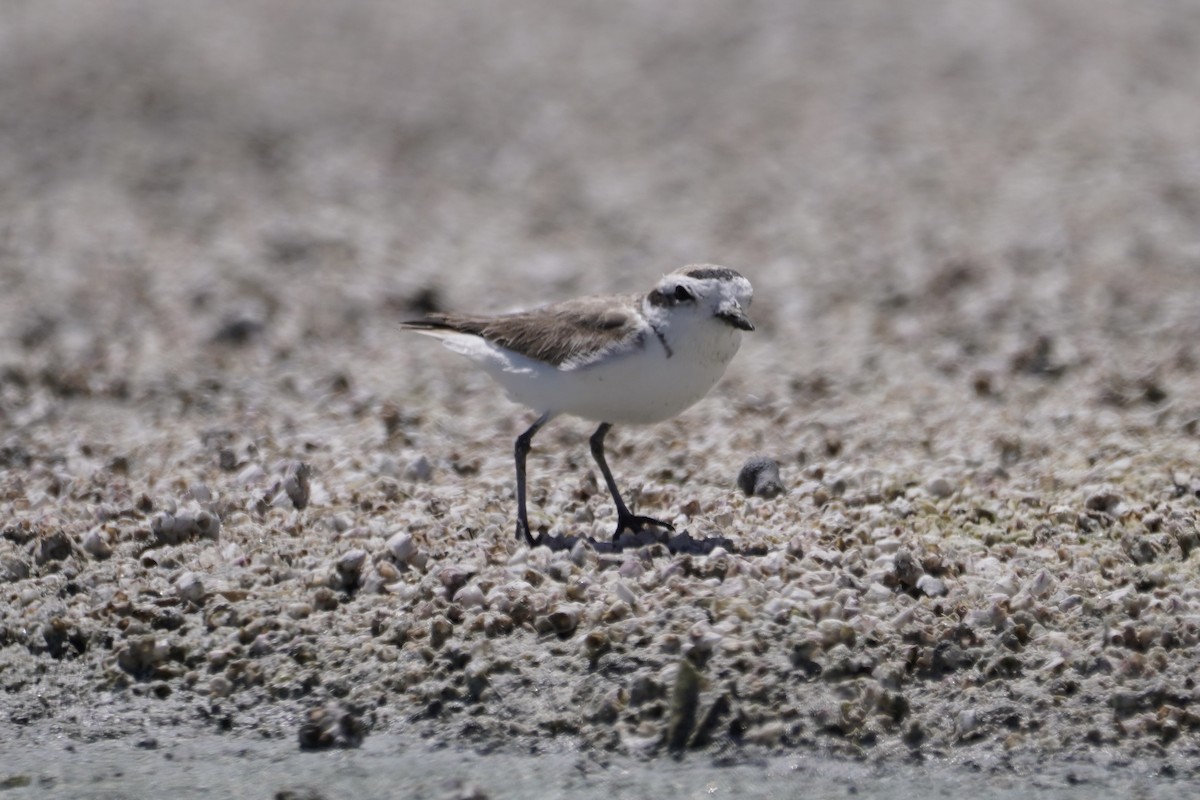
(703, 292)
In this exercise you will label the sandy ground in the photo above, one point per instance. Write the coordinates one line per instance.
(974, 233)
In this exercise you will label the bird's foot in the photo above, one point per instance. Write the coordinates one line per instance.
(553, 541)
(524, 535)
(636, 524)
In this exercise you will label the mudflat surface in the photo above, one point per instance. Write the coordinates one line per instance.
(389, 766)
(241, 509)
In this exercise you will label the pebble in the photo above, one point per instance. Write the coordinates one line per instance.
(331, 726)
(401, 547)
(759, 477)
(173, 528)
(207, 525)
(625, 593)
(470, 596)
(931, 586)
(631, 568)
(562, 619)
(440, 629)
(1104, 499)
(939, 488)
(908, 571)
(96, 543)
(190, 587)
(54, 546)
(251, 474)
(13, 569)
(141, 653)
(299, 610)
(419, 469)
(967, 723)
(323, 599)
(1041, 584)
(347, 571)
(227, 460)
(767, 734)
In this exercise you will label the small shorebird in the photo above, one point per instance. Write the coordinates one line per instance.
(634, 359)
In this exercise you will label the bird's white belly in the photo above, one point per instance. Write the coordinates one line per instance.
(640, 387)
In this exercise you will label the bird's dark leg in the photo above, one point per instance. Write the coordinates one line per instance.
(625, 519)
(524, 442)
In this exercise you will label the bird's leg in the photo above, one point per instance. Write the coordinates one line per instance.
(524, 442)
(625, 519)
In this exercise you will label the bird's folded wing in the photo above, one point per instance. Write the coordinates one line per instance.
(566, 335)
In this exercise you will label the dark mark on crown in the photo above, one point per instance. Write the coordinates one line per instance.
(712, 273)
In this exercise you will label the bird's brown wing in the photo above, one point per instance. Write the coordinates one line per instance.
(570, 333)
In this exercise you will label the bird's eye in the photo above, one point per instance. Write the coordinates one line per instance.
(682, 294)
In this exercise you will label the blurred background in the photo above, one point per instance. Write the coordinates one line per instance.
(983, 194)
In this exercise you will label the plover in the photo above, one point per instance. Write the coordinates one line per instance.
(629, 359)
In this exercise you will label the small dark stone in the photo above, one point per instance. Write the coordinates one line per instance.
(949, 657)
(906, 568)
(37, 331)
(19, 533)
(1038, 358)
(227, 460)
(331, 726)
(644, 689)
(238, 331)
(55, 546)
(324, 599)
(13, 569)
(1104, 500)
(914, 735)
(760, 477)
(14, 455)
(339, 382)
(299, 793)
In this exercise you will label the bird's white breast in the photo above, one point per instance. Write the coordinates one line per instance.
(641, 385)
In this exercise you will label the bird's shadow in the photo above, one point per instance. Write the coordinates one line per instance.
(681, 543)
